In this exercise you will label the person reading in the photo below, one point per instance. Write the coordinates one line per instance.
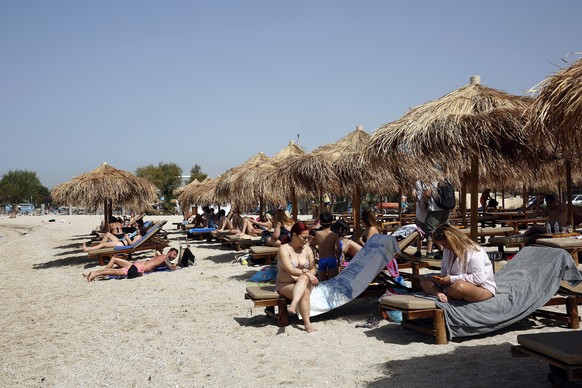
(121, 267)
(466, 271)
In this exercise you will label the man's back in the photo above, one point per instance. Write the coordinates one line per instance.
(327, 241)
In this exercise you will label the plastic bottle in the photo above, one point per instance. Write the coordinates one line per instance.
(548, 228)
(556, 227)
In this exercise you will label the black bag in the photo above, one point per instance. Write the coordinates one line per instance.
(492, 203)
(187, 257)
(445, 198)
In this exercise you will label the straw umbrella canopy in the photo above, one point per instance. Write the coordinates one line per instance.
(271, 180)
(556, 119)
(201, 193)
(474, 125)
(228, 184)
(107, 186)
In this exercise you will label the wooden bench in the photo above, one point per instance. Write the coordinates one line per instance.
(570, 244)
(264, 252)
(268, 298)
(562, 352)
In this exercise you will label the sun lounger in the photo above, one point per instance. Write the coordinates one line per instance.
(147, 242)
(264, 252)
(268, 298)
(240, 242)
(528, 282)
(490, 231)
(201, 233)
(562, 351)
(570, 244)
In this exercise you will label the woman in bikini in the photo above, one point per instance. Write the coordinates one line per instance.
(110, 241)
(281, 234)
(296, 276)
(466, 271)
(370, 227)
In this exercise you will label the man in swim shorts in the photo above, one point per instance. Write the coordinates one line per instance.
(121, 267)
(328, 246)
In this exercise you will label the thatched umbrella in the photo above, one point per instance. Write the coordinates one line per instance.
(473, 124)
(108, 186)
(201, 193)
(271, 179)
(556, 119)
(228, 184)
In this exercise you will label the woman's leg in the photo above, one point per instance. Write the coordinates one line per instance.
(305, 308)
(109, 244)
(469, 292)
(270, 241)
(298, 291)
(429, 286)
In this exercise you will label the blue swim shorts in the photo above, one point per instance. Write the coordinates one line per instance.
(326, 263)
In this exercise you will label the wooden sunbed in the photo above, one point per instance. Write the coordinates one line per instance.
(147, 242)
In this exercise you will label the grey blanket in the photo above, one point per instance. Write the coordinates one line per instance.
(525, 284)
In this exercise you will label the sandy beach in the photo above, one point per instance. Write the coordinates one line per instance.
(193, 327)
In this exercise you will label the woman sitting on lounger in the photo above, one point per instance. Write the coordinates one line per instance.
(296, 276)
(281, 234)
(370, 227)
(349, 247)
(110, 241)
(466, 271)
(256, 227)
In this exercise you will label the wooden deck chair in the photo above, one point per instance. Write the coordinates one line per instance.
(268, 298)
(264, 252)
(515, 298)
(147, 242)
(561, 350)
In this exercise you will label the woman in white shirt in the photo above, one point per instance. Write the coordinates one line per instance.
(466, 271)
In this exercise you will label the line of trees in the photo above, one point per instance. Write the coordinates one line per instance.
(17, 186)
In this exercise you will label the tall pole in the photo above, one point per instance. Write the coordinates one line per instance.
(474, 197)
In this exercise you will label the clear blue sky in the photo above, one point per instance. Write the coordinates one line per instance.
(212, 83)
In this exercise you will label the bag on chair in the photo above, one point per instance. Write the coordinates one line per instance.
(188, 258)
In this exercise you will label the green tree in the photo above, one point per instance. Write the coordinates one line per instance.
(166, 176)
(20, 186)
(196, 173)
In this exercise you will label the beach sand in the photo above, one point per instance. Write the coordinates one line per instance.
(193, 327)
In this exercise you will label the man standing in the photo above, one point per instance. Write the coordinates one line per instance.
(435, 216)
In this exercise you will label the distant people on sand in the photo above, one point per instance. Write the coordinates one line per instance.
(296, 276)
(328, 245)
(121, 267)
(110, 241)
(370, 227)
(466, 271)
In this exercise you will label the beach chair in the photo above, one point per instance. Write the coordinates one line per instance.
(562, 351)
(147, 242)
(267, 297)
(570, 244)
(264, 252)
(527, 283)
(240, 242)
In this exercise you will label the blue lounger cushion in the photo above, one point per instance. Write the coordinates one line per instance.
(201, 230)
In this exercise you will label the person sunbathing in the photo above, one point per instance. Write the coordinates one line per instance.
(281, 234)
(254, 227)
(121, 267)
(110, 241)
(296, 275)
(466, 271)
(370, 227)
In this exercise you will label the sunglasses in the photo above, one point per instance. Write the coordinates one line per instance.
(304, 238)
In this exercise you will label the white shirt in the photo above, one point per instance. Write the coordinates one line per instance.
(477, 269)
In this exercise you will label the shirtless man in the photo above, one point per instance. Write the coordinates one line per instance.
(328, 244)
(555, 212)
(122, 266)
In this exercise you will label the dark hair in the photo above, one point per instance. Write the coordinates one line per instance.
(172, 249)
(222, 212)
(550, 197)
(298, 227)
(340, 227)
(326, 219)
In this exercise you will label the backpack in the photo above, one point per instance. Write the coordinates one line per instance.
(445, 198)
(188, 258)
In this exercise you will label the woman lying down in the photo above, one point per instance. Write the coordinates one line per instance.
(466, 271)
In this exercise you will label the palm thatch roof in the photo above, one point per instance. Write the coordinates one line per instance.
(469, 129)
(107, 186)
(556, 115)
(201, 193)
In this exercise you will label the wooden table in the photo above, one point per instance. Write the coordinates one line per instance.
(521, 221)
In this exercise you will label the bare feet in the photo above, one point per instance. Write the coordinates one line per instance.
(292, 308)
(91, 277)
(442, 297)
(309, 328)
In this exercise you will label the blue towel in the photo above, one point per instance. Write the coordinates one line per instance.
(201, 230)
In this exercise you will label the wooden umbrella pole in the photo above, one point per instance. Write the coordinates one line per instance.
(463, 199)
(356, 202)
(294, 205)
(569, 193)
(503, 197)
(399, 205)
(474, 197)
